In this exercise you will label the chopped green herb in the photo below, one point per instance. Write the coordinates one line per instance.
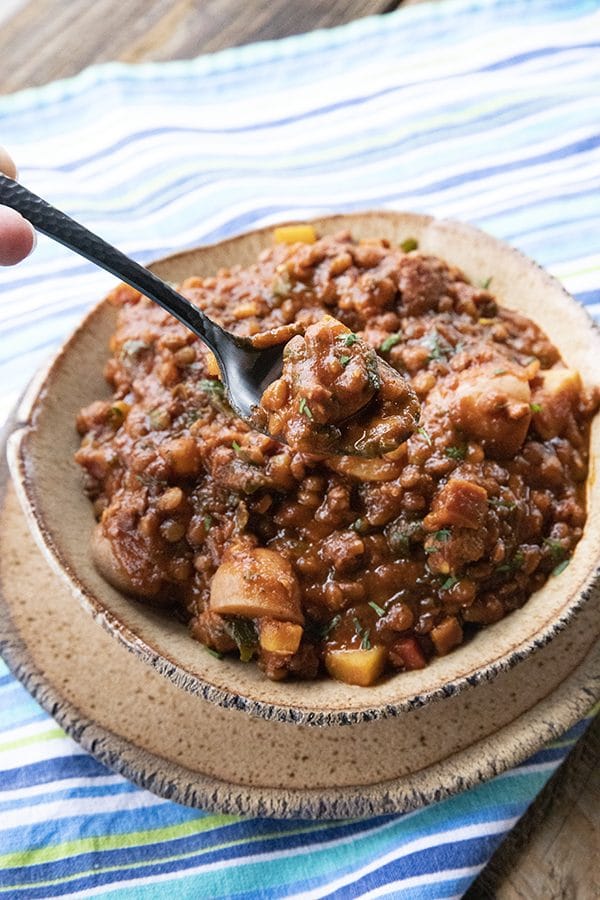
(304, 408)
(557, 550)
(215, 391)
(561, 567)
(345, 360)
(131, 349)
(390, 342)
(214, 653)
(380, 612)
(348, 339)
(449, 582)
(501, 503)
(359, 525)
(456, 452)
(191, 416)
(211, 386)
(425, 434)
(400, 536)
(243, 632)
(326, 629)
(500, 372)
(409, 244)
(363, 633)
(117, 413)
(372, 367)
(486, 283)
(441, 537)
(236, 446)
(207, 522)
(159, 419)
(439, 349)
(513, 564)
(281, 285)
(535, 407)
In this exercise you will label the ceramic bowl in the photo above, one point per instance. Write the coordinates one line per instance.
(49, 487)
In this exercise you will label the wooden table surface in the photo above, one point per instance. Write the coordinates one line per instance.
(551, 852)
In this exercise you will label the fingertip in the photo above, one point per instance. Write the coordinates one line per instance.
(6, 164)
(17, 237)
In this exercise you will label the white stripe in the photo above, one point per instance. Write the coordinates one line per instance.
(528, 768)
(43, 750)
(22, 732)
(77, 807)
(414, 881)
(66, 784)
(453, 835)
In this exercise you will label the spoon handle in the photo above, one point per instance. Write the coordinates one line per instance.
(60, 227)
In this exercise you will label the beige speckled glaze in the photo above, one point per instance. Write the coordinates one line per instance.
(48, 483)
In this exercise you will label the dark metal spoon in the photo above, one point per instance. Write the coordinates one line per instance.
(246, 371)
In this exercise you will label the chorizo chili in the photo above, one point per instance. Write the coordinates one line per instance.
(309, 562)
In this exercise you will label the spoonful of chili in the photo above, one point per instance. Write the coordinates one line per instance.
(323, 392)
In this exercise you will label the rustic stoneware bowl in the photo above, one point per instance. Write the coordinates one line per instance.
(49, 487)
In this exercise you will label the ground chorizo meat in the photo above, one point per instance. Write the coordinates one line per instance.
(336, 396)
(354, 565)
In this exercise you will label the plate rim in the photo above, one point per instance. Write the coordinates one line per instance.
(499, 751)
(503, 749)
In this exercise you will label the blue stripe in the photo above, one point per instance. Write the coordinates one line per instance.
(455, 855)
(586, 297)
(80, 765)
(538, 53)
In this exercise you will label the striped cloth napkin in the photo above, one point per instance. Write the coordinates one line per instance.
(483, 111)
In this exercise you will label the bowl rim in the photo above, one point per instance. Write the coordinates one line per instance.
(22, 476)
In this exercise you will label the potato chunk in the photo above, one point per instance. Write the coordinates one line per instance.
(280, 637)
(555, 400)
(447, 635)
(256, 582)
(292, 234)
(362, 667)
(491, 405)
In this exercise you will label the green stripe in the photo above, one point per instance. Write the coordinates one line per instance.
(309, 827)
(113, 841)
(571, 273)
(50, 735)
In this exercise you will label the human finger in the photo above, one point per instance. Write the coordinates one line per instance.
(6, 164)
(17, 237)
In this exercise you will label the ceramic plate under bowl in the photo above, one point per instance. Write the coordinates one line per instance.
(185, 748)
(49, 486)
